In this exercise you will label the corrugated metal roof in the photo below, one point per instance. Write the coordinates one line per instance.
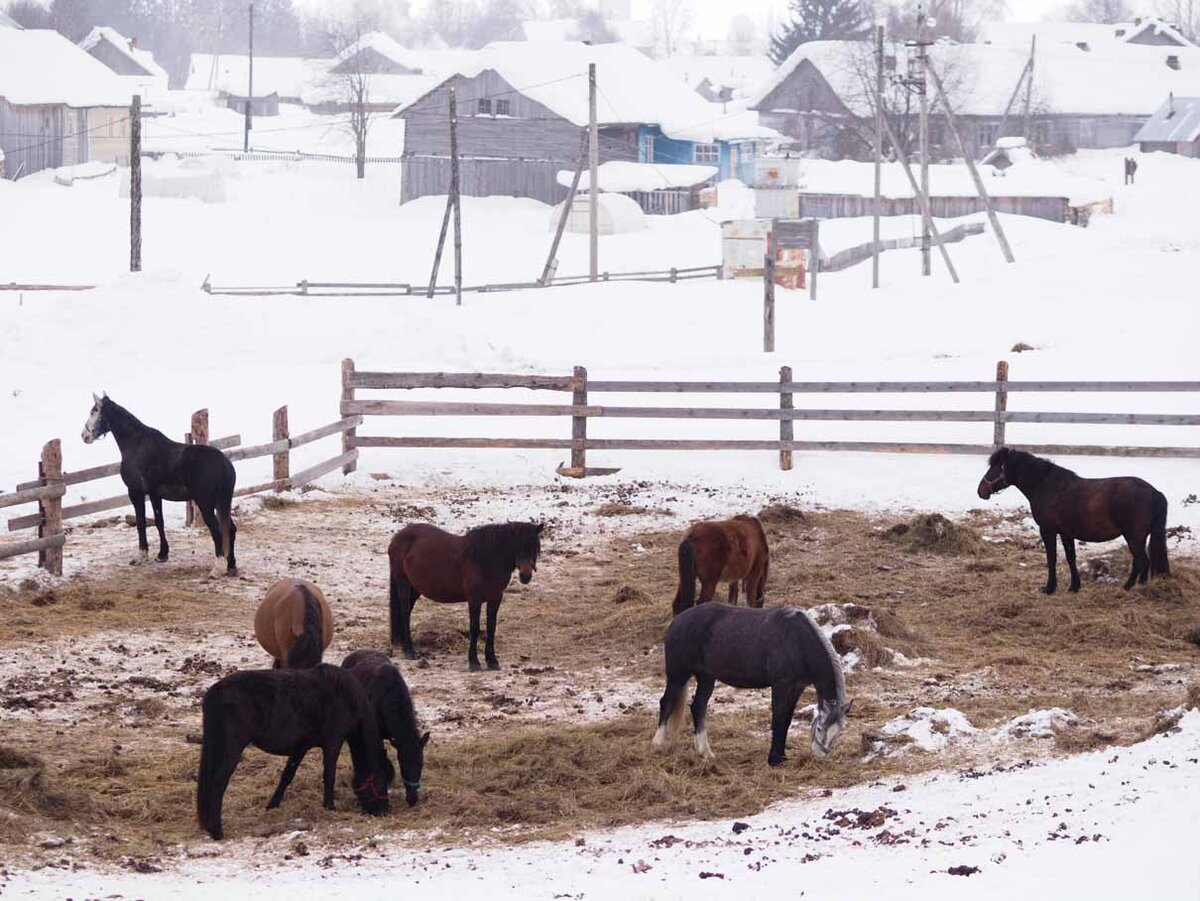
(1178, 119)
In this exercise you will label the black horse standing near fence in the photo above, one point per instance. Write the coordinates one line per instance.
(1064, 504)
(154, 466)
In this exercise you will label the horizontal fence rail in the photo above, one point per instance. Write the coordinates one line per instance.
(581, 409)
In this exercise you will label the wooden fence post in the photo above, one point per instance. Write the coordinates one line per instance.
(50, 508)
(280, 462)
(785, 425)
(579, 398)
(349, 435)
(198, 435)
(769, 301)
(1001, 403)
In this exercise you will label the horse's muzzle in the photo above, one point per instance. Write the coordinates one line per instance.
(525, 578)
(87, 437)
(984, 491)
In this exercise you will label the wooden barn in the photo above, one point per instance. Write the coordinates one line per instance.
(128, 61)
(522, 110)
(1174, 128)
(391, 74)
(58, 105)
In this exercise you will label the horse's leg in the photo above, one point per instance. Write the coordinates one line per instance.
(733, 593)
(704, 690)
(670, 710)
(139, 511)
(209, 515)
(329, 759)
(1141, 560)
(708, 588)
(1069, 550)
(163, 550)
(286, 777)
(1050, 539)
(489, 648)
(473, 608)
(401, 598)
(783, 707)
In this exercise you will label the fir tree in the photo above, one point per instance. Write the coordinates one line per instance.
(820, 20)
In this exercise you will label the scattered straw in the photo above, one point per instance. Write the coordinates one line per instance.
(933, 533)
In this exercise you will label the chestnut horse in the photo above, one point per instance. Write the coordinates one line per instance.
(294, 624)
(474, 569)
(1063, 504)
(727, 550)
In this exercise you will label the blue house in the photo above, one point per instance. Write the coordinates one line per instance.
(734, 158)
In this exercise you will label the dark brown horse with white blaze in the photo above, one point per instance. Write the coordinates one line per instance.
(728, 550)
(1064, 504)
(474, 569)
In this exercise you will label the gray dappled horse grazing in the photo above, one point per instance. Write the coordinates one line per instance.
(747, 647)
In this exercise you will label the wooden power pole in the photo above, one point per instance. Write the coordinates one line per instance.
(250, 85)
(455, 196)
(593, 188)
(878, 156)
(135, 184)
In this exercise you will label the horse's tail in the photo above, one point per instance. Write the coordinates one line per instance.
(395, 613)
(1158, 537)
(208, 791)
(685, 597)
(309, 647)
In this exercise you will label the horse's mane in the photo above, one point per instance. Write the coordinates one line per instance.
(397, 704)
(497, 547)
(115, 413)
(835, 661)
(1037, 468)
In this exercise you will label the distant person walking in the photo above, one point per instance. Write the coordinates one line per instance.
(1130, 169)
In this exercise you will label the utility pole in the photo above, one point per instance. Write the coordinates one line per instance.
(878, 153)
(455, 197)
(135, 184)
(915, 82)
(593, 188)
(250, 87)
(1029, 86)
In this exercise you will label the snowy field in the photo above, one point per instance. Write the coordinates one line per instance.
(1110, 302)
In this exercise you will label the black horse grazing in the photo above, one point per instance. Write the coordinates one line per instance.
(397, 718)
(154, 466)
(749, 647)
(453, 569)
(288, 712)
(1064, 504)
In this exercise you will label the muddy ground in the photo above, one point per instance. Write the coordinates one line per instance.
(101, 674)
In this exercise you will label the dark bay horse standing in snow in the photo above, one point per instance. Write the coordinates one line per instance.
(1063, 504)
(745, 647)
(729, 550)
(154, 466)
(474, 569)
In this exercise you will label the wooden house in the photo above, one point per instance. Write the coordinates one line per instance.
(523, 108)
(128, 61)
(58, 105)
(1174, 128)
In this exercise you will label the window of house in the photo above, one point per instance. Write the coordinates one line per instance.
(649, 149)
(503, 107)
(485, 107)
(707, 153)
(986, 134)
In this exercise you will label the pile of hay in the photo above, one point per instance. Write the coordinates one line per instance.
(780, 515)
(629, 594)
(870, 649)
(933, 533)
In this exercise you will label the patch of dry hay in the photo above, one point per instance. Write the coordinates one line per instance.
(871, 650)
(781, 515)
(627, 594)
(935, 534)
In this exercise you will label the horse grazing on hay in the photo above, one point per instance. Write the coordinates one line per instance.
(474, 568)
(397, 717)
(1064, 504)
(727, 550)
(154, 466)
(288, 712)
(747, 648)
(294, 624)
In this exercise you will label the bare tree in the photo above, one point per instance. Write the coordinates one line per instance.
(672, 21)
(353, 79)
(1183, 14)
(958, 20)
(1106, 12)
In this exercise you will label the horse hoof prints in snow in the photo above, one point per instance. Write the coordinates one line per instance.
(474, 569)
(746, 647)
(154, 466)
(1064, 504)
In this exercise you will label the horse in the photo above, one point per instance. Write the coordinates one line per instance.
(154, 466)
(723, 551)
(744, 647)
(1064, 504)
(294, 623)
(397, 718)
(287, 712)
(474, 568)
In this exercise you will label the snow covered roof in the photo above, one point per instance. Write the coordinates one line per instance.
(42, 67)
(229, 73)
(144, 59)
(1178, 119)
(1120, 79)
(382, 89)
(6, 21)
(383, 44)
(742, 74)
(622, 176)
(631, 87)
(1094, 34)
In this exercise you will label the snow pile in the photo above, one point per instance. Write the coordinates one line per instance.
(617, 215)
(1036, 724)
(168, 179)
(68, 175)
(922, 729)
(623, 176)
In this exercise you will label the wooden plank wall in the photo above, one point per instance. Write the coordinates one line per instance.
(841, 206)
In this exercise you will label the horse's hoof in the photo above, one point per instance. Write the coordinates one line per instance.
(1049, 589)
(493, 664)
(1074, 589)
(776, 761)
(272, 805)
(142, 558)
(474, 666)
(232, 572)
(161, 558)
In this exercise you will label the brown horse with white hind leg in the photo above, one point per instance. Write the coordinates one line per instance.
(294, 624)
(474, 569)
(1064, 504)
(729, 550)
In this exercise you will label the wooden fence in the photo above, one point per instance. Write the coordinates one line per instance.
(582, 408)
(840, 206)
(49, 488)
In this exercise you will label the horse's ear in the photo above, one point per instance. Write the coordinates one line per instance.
(424, 739)
(95, 397)
(540, 526)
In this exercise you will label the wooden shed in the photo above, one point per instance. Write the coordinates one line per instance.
(1174, 128)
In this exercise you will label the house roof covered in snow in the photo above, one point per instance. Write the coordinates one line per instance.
(229, 73)
(143, 59)
(1121, 79)
(1177, 120)
(7, 21)
(1095, 35)
(42, 67)
(631, 87)
(742, 74)
(623, 176)
(383, 44)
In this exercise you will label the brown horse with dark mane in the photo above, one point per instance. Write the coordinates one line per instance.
(294, 623)
(1064, 504)
(474, 569)
(729, 550)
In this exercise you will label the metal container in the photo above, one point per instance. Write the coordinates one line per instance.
(776, 172)
(743, 247)
(776, 203)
